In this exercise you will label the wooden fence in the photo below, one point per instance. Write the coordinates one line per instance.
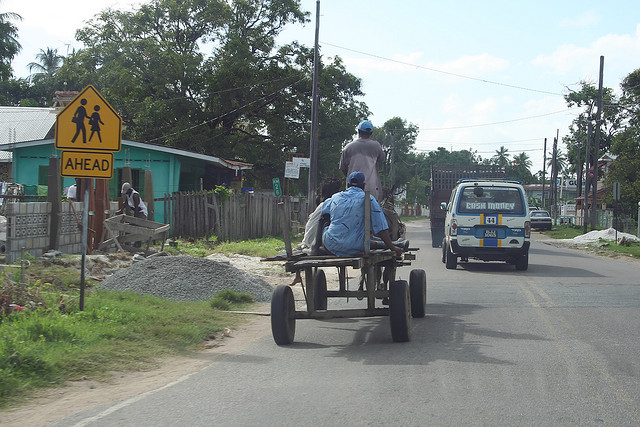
(241, 217)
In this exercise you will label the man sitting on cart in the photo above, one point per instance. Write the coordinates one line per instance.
(345, 234)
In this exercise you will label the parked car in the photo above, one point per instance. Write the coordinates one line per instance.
(540, 219)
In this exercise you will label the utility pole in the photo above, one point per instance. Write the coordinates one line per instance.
(579, 165)
(594, 215)
(544, 169)
(313, 149)
(393, 160)
(587, 178)
(554, 181)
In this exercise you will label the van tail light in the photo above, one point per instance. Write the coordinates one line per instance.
(527, 229)
(454, 227)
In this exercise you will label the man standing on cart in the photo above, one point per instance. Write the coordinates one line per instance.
(345, 233)
(363, 154)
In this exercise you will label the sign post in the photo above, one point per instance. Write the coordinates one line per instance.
(88, 131)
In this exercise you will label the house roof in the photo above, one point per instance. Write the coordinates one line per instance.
(229, 164)
(18, 124)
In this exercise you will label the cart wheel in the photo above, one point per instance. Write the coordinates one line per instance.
(399, 310)
(283, 320)
(320, 295)
(418, 291)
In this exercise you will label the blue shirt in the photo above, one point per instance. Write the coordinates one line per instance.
(345, 234)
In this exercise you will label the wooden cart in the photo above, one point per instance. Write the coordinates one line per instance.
(128, 229)
(403, 299)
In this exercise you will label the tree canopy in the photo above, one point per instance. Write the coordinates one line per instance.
(208, 76)
(9, 45)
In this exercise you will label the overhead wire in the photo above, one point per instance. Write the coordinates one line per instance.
(441, 71)
(219, 117)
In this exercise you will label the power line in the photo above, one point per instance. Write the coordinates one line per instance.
(480, 143)
(223, 115)
(444, 72)
(499, 123)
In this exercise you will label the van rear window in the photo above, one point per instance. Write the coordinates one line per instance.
(478, 199)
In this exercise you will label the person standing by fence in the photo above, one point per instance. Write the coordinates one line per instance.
(132, 200)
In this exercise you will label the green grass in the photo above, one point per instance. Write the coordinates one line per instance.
(116, 331)
(632, 250)
(564, 232)
(43, 346)
(262, 247)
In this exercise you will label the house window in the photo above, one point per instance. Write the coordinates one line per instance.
(115, 183)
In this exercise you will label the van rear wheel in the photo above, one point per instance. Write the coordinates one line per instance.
(450, 260)
(522, 263)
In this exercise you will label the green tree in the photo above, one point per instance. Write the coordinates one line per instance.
(9, 45)
(397, 138)
(520, 168)
(49, 62)
(626, 168)
(587, 99)
(502, 157)
(248, 99)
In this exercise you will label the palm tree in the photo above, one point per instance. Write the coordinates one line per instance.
(49, 62)
(9, 45)
(522, 160)
(501, 158)
(562, 163)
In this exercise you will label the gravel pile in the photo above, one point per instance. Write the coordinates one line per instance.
(184, 278)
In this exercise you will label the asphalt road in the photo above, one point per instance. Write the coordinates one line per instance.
(554, 345)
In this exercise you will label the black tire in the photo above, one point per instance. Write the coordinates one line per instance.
(320, 291)
(444, 246)
(283, 320)
(450, 260)
(522, 263)
(400, 310)
(418, 291)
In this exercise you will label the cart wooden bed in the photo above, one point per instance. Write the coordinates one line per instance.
(403, 299)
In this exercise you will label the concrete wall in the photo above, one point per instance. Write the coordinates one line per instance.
(29, 224)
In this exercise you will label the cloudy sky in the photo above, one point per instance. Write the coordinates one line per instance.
(469, 74)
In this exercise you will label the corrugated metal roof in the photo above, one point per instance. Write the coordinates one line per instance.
(6, 157)
(18, 124)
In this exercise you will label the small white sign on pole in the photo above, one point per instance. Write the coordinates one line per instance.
(291, 170)
(303, 162)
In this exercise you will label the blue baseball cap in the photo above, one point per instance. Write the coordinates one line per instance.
(365, 126)
(356, 178)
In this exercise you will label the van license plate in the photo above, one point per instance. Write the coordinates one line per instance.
(490, 234)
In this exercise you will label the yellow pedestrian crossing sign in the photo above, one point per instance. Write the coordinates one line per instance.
(88, 123)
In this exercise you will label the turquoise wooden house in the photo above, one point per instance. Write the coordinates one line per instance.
(172, 169)
(27, 138)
